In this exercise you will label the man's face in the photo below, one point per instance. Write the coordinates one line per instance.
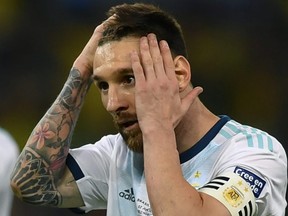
(114, 78)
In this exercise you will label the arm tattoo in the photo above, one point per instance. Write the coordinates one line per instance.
(35, 181)
(42, 160)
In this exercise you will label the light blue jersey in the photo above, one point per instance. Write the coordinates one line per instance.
(110, 176)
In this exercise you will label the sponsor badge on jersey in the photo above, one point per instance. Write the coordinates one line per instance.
(255, 182)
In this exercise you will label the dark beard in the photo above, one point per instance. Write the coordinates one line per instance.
(132, 138)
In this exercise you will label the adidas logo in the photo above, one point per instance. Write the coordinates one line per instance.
(128, 194)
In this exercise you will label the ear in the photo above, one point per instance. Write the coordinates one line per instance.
(183, 72)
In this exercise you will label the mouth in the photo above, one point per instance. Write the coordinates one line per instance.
(128, 124)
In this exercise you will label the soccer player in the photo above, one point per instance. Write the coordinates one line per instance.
(8, 157)
(172, 156)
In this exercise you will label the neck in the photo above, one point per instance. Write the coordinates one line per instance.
(194, 125)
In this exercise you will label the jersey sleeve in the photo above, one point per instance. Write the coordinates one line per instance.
(233, 192)
(89, 165)
(261, 161)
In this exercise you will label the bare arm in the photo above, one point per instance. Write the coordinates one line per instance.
(40, 176)
(41, 164)
(159, 109)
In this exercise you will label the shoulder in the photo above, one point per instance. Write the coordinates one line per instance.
(101, 151)
(251, 146)
(9, 144)
(247, 137)
(260, 159)
(6, 138)
(108, 143)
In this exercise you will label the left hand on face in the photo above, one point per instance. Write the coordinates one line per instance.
(157, 97)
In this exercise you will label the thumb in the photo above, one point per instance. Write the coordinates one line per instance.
(189, 99)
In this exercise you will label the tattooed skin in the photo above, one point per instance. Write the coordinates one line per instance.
(42, 161)
(32, 175)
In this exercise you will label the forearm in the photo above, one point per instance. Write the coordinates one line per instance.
(169, 193)
(42, 160)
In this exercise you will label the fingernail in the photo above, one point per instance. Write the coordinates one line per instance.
(200, 89)
(164, 44)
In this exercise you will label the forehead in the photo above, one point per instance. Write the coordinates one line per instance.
(114, 57)
(115, 51)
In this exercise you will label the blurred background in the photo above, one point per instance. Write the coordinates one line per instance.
(238, 51)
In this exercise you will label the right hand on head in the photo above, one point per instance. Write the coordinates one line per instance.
(84, 62)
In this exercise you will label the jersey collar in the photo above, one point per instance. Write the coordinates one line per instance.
(205, 140)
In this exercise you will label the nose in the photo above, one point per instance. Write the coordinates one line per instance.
(116, 100)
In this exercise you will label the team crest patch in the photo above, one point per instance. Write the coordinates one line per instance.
(255, 182)
(232, 196)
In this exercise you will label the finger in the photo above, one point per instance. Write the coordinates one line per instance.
(106, 22)
(137, 68)
(146, 59)
(156, 55)
(97, 35)
(190, 98)
(167, 60)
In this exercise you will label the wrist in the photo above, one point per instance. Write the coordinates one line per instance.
(85, 70)
(157, 136)
(77, 74)
(156, 127)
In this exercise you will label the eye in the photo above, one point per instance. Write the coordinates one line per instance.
(103, 86)
(129, 80)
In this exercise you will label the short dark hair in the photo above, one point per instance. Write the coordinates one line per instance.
(140, 19)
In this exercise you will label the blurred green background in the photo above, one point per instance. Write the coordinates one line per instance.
(238, 52)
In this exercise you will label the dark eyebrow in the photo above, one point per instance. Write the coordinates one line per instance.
(120, 72)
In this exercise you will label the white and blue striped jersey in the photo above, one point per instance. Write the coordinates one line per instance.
(110, 176)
